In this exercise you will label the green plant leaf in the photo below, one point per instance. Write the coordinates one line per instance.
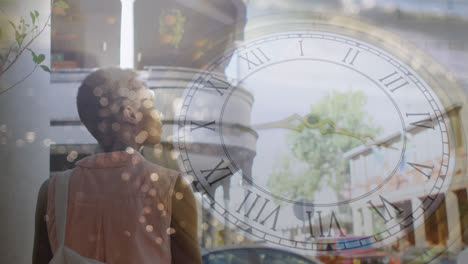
(33, 17)
(62, 4)
(45, 68)
(40, 59)
(36, 13)
(20, 38)
(21, 25)
(12, 24)
(34, 55)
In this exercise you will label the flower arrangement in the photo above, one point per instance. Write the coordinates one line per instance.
(171, 27)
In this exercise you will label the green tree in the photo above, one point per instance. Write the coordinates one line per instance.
(316, 159)
(25, 34)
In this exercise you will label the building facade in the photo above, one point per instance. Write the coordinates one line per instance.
(405, 191)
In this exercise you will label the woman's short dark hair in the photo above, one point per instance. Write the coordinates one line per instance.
(101, 97)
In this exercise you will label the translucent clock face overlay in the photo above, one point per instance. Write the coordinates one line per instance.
(300, 86)
(315, 129)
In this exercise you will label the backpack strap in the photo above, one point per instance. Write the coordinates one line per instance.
(61, 201)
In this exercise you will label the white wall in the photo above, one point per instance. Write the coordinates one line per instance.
(23, 168)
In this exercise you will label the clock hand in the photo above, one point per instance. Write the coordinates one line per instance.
(377, 143)
(285, 123)
(326, 126)
(366, 139)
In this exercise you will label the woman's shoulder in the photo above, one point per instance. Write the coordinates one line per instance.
(164, 177)
(43, 196)
(43, 190)
(162, 171)
(46, 187)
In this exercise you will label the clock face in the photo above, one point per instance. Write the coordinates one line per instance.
(317, 130)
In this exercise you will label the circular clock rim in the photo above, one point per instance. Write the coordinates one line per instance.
(435, 76)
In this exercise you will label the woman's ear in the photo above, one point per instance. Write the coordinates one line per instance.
(130, 115)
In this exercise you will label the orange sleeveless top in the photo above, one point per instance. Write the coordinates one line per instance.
(119, 209)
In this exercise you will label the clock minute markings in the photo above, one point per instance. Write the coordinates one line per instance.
(255, 58)
(394, 81)
(261, 215)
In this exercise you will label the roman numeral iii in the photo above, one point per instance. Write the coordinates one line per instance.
(393, 81)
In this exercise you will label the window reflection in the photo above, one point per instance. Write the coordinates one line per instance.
(168, 37)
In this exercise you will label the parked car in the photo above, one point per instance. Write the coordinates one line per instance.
(433, 255)
(365, 253)
(253, 255)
